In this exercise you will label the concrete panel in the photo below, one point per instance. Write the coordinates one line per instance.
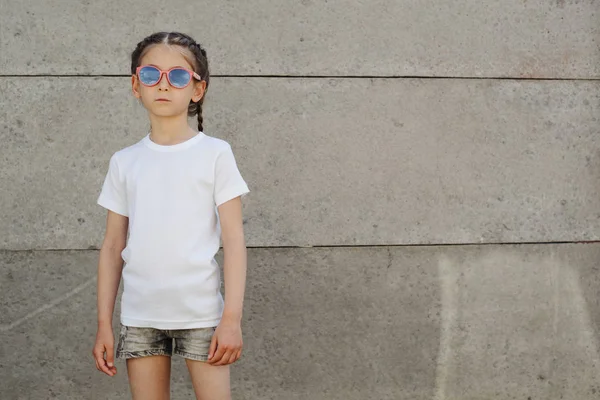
(317, 325)
(329, 161)
(513, 38)
(419, 322)
(517, 323)
(48, 327)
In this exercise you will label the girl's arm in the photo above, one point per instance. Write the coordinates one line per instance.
(110, 266)
(226, 346)
(234, 258)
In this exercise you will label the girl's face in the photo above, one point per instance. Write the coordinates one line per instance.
(178, 100)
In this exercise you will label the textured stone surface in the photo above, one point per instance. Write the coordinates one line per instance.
(516, 38)
(418, 322)
(519, 322)
(318, 324)
(328, 161)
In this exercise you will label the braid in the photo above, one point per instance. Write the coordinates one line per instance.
(202, 63)
(200, 118)
(202, 51)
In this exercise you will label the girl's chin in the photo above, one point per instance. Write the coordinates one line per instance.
(165, 111)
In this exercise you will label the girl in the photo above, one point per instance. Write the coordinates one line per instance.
(171, 197)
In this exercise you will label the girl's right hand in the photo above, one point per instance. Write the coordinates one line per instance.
(105, 341)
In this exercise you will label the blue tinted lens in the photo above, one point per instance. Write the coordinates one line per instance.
(149, 75)
(179, 77)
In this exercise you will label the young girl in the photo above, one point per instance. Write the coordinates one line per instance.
(171, 197)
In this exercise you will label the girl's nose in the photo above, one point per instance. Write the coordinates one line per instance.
(163, 83)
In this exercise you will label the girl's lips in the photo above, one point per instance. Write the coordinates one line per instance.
(162, 100)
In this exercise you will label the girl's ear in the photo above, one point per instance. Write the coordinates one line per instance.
(199, 90)
(135, 86)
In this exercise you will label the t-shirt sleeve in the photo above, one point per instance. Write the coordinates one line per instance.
(228, 179)
(114, 195)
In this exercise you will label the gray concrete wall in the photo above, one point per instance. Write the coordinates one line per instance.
(433, 153)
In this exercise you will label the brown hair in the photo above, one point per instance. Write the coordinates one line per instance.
(199, 62)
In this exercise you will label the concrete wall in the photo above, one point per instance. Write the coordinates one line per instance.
(433, 153)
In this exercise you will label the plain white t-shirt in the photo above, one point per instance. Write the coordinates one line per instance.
(170, 193)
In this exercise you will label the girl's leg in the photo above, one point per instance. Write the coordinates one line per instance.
(211, 382)
(150, 377)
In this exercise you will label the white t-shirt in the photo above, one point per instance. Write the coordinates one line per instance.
(170, 194)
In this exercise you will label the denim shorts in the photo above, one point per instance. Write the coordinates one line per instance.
(192, 344)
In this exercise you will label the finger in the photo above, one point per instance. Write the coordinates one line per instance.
(213, 347)
(99, 357)
(232, 357)
(95, 354)
(225, 358)
(105, 368)
(96, 360)
(222, 360)
(110, 356)
(102, 363)
(94, 357)
(238, 355)
(218, 355)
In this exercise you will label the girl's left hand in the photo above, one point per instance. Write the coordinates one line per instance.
(226, 344)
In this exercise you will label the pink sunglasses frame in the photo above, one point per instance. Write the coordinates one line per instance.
(166, 72)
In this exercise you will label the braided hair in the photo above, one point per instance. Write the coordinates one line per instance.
(199, 61)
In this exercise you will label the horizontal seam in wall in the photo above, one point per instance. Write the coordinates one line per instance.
(353, 246)
(321, 77)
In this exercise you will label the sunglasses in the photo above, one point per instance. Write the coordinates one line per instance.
(178, 77)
